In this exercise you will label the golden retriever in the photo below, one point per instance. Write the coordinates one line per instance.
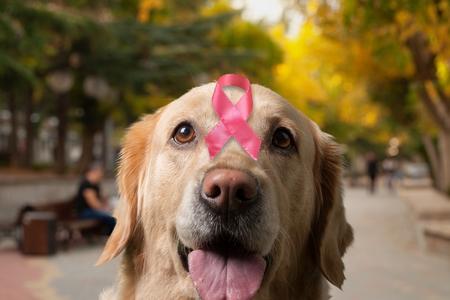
(231, 227)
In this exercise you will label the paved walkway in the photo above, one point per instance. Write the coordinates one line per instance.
(68, 275)
(385, 261)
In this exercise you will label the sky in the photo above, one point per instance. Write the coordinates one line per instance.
(269, 11)
(255, 10)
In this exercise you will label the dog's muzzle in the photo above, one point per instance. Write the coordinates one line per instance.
(228, 213)
(229, 191)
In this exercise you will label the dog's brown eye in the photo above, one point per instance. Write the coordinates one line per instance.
(282, 138)
(184, 133)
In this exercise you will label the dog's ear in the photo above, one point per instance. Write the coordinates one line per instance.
(332, 233)
(132, 159)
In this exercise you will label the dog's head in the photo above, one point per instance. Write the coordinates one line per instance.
(217, 219)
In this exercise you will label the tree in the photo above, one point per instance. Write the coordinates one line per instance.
(315, 77)
(405, 40)
(87, 62)
(30, 33)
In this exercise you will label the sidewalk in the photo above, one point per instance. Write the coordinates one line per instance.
(385, 261)
(24, 278)
(66, 276)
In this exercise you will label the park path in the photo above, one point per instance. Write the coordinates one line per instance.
(385, 261)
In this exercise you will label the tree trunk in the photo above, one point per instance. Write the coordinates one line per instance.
(444, 153)
(87, 153)
(435, 101)
(29, 130)
(437, 108)
(433, 158)
(107, 146)
(441, 168)
(62, 112)
(12, 143)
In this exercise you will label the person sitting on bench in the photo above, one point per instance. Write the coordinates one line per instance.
(89, 203)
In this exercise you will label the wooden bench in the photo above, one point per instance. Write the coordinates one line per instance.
(68, 223)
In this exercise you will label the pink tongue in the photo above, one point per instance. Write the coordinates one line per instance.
(217, 277)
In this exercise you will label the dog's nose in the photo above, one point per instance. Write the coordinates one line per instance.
(227, 190)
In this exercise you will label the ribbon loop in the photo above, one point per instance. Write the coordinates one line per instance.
(233, 118)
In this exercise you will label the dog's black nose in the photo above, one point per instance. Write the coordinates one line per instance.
(226, 190)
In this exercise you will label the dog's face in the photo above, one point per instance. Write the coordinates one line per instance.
(231, 214)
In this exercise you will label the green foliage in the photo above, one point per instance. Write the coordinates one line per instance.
(398, 98)
(143, 53)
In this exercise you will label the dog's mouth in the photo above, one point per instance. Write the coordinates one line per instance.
(224, 269)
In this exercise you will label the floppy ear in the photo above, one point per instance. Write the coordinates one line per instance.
(131, 162)
(332, 232)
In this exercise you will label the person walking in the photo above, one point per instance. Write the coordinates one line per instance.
(372, 171)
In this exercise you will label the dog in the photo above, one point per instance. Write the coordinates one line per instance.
(231, 227)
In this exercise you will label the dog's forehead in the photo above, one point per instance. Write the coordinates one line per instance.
(196, 105)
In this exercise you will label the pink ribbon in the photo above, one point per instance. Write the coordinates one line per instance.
(233, 118)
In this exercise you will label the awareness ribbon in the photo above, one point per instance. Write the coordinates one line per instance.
(233, 118)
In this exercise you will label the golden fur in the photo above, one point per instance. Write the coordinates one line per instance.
(305, 211)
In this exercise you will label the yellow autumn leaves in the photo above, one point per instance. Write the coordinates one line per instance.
(313, 79)
(146, 6)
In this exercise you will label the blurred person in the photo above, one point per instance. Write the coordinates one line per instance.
(89, 202)
(390, 167)
(372, 170)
